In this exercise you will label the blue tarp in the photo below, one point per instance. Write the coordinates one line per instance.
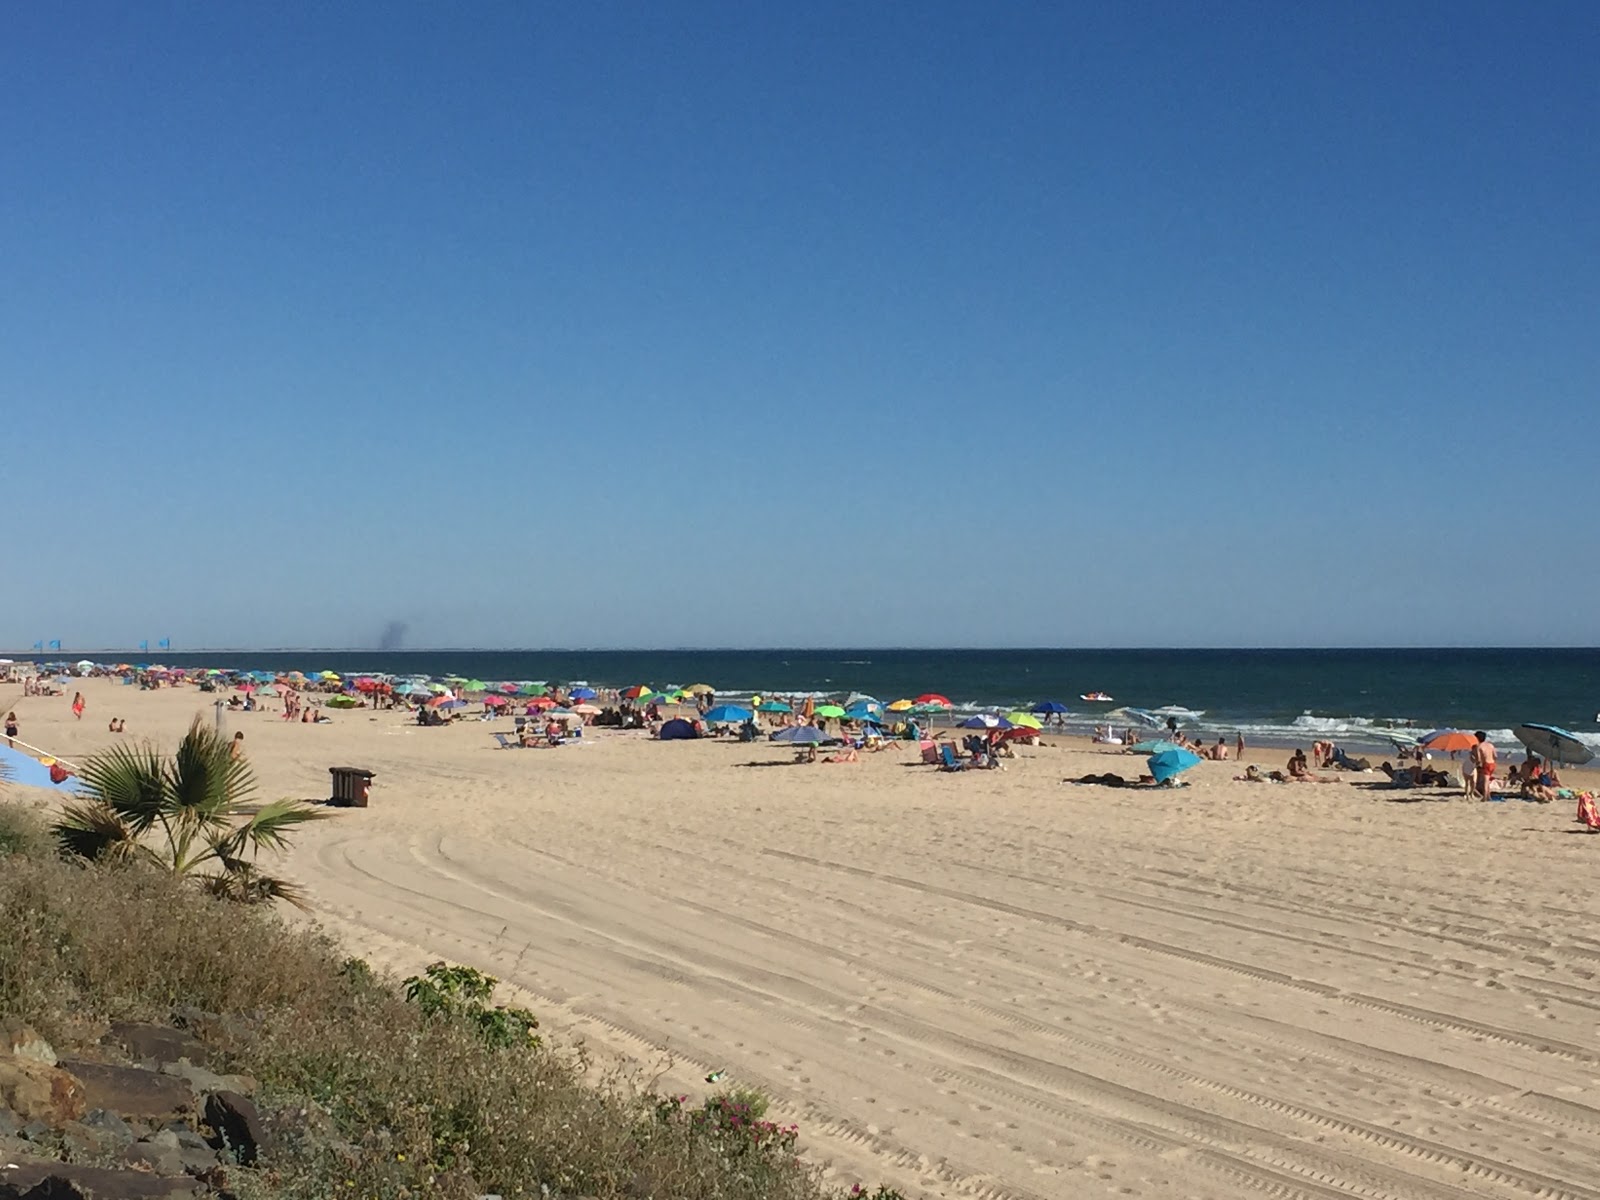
(30, 772)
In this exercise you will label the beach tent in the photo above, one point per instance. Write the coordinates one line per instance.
(678, 730)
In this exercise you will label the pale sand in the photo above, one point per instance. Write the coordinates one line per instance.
(992, 984)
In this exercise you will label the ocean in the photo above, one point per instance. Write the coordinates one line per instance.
(1272, 696)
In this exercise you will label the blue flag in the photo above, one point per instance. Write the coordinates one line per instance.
(144, 645)
(38, 645)
(56, 645)
(165, 643)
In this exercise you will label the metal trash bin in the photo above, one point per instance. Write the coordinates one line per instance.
(350, 786)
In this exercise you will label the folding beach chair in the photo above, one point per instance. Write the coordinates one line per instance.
(948, 760)
(506, 741)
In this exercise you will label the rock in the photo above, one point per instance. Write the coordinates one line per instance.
(204, 1080)
(20, 1041)
(238, 1124)
(10, 1123)
(110, 1124)
(188, 1138)
(36, 1092)
(36, 1131)
(69, 1181)
(134, 1093)
(163, 1160)
(159, 1044)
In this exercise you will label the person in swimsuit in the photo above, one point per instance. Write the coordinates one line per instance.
(1483, 756)
(11, 728)
(77, 705)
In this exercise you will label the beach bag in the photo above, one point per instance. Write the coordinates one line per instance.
(1588, 813)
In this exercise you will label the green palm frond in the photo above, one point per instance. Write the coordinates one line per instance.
(128, 780)
(242, 883)
(268, 827)
(205, 779)
(94, 830)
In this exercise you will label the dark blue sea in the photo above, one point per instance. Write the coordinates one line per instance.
(1270, 695)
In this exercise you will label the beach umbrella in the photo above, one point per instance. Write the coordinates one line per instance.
(342, 702)
(775, 706)
(246, 688)
(1568, 749)
(805, 734)
(541, 702)
(986, 721)
(727, 714)
(587, 710)
(283, 689)
(829, 710)
(699, 689)
(412, 689)
(637, 690)
(475, 685)
(582, 693)
(1449, 739)
(330, 676)
(509, 688)
(1154, 747)
(439, 689)
(1050, 708)
(855, 698)
(1025, 720)
(495, 702)
(934, 700)
(866, 710)
(902, 705)
(1168, 764)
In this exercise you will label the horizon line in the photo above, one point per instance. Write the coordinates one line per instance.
(122, 652)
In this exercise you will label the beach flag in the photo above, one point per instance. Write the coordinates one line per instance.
(56, 645)
(144, 645)
(165, 643)
(38, 645)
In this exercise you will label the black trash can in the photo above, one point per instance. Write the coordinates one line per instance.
(350, 786)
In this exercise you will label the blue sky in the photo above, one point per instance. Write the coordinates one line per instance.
(733, 324)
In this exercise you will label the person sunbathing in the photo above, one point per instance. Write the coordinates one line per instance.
(843, 756)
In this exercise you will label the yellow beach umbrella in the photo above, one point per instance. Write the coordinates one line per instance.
(699, 689)
(902, 705)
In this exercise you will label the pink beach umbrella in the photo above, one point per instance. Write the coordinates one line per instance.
(494, 701)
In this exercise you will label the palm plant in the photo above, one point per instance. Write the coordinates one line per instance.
(188, 814)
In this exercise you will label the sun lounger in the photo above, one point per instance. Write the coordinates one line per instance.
(948, 760)
(507, 742)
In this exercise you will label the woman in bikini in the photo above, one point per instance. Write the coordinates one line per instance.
(1483, 756)
(77, 705)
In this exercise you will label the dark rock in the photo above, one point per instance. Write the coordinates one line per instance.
(160, 1044)
(10, 1123)
(238, 1124)
(110, 1124)
(69, 1181)
(199, 1161)
(140, 1095)
(36, 1131)
(36, 1092)
(163, 1160)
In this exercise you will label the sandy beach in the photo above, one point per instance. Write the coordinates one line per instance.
(987, 984)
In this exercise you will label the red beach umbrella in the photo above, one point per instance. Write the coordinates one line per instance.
(934, 699)
(637, 690)
(1450, 739)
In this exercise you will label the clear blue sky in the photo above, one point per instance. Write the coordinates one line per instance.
(747, 324)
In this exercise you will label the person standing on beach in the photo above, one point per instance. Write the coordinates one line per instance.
(1239, 748)
(1483, 756)
(11, 729)
(77, 705)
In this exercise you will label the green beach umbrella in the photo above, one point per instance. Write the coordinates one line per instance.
(1022, 718)
(774, 706)
(829, 710)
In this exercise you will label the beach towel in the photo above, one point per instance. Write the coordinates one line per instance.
(1588, 813)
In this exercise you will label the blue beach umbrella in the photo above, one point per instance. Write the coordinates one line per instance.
(1154, 747)
(987, 721)
(583, 693)
(865, 711)
(1169, 764)
(802, 734)
(1051, 708)
(774, 706)
(1551, 741)
(727, 714)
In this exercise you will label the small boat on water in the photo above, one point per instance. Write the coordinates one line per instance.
(1097, 698)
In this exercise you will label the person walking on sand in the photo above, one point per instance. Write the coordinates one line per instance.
(1483, 756)
(237, 749)
(77, 705)
(1239, 748)
(11, 729)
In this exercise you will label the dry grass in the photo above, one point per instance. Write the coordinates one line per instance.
(373, 1099)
